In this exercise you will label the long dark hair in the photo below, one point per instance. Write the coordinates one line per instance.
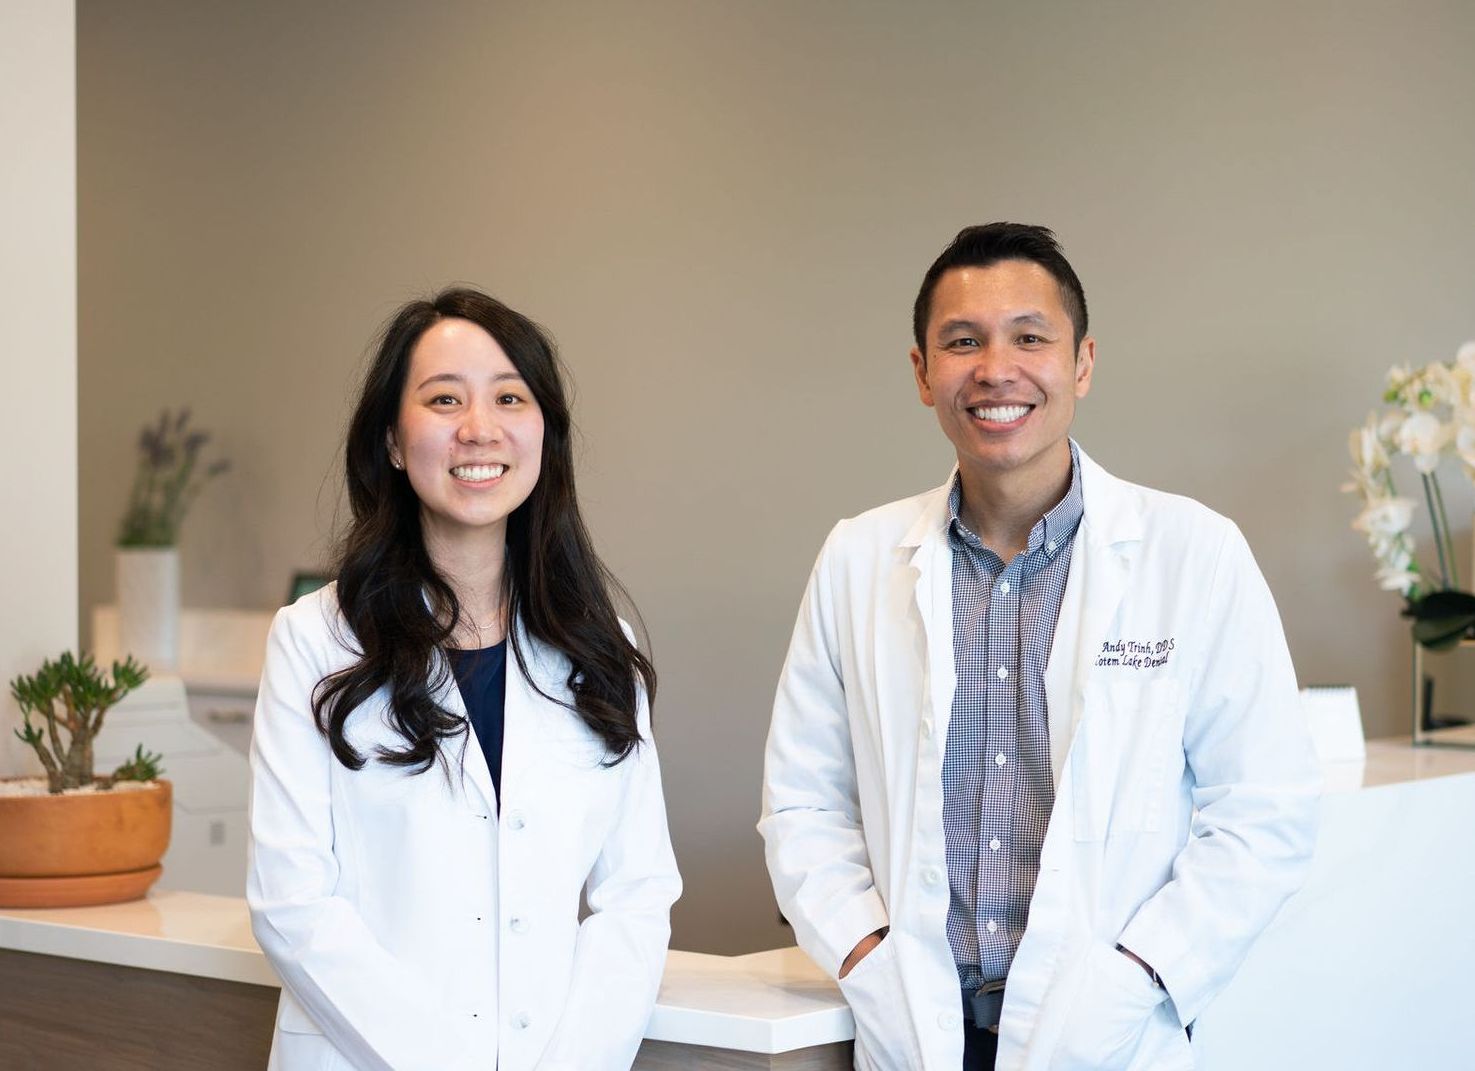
(402, 611)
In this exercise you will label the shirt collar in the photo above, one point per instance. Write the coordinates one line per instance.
(1050, 535)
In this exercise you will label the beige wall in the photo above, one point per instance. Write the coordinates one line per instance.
(38, 355)
(722, 211)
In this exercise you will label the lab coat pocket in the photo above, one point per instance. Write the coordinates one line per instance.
(1127, 754)
(292, 1018)
(883, 1032)
(299, 1044)
(1113, 1010)
(1163, 1045)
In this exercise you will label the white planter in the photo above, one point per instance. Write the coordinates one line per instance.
(148, 605)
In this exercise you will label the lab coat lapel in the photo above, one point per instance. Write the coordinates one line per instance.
(1100, 569)
(520, 747)
(932, 561)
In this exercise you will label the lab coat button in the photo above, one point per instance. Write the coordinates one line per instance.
(519, 925)
(949, 1020)
(931, 875)
(522, 1020)
(927, 727)
(515, 820)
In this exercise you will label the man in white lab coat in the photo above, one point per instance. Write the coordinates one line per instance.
(1037, 775)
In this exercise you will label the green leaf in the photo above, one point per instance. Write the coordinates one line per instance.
(1442, 633)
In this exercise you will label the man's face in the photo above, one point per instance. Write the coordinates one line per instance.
(1002, 370)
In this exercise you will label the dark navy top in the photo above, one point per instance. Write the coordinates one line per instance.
(482, 677)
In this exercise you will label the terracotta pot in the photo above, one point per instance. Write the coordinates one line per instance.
(93, 848)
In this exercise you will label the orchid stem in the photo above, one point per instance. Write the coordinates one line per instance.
(1438, 539)
(1454, 570)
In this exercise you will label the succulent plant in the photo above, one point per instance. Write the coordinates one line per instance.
(73, 694)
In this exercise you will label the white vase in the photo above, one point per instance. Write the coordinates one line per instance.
(148, 606)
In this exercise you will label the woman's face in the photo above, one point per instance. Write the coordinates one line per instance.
(469, 434)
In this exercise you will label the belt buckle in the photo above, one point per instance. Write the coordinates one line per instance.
(987, 1002)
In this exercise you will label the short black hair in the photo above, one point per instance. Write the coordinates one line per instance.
(985, 244)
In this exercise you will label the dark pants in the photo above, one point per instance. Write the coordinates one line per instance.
(979, 1048)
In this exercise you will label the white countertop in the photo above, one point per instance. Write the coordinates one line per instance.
(767, 1002)
(1395, 761)
(220, 650)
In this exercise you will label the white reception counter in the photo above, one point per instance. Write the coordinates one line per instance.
(1372, 965)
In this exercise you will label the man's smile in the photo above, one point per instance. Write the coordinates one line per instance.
(1001, 416)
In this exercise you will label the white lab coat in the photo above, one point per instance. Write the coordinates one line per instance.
(1185, 798)
(411, 924)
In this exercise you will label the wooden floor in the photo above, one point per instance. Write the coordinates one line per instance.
(65, 1014)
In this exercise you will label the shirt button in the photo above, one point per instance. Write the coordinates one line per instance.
(931, 875)
(515, 820)
(1050, 546)
(1003, 673)
(522, 1020)
(1004, 588)
(519, 925)
(993, 845)
(999, 759)
(949, 1020)
(993, 927)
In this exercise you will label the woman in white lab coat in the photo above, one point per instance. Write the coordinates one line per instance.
(452, 742)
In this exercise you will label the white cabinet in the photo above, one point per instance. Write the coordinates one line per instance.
(200, 721)
(207, 849)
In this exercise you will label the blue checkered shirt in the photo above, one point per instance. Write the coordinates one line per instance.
(997, 790)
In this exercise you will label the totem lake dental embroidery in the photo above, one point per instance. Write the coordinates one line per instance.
(1135, 654)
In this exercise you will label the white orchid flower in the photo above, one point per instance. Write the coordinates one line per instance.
(1436, 385)
(1389, 424)
(1422, 436)
(1396, 578)
(1464, 380)
(1465, 439)
(1367, 449)
(1430, 410)
(1385, 517)
(1397, 383)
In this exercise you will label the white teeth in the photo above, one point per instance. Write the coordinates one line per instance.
(1001, 414)
(474, 473)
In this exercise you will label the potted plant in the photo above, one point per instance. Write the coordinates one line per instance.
(74, 837)
(1430, 415)
(170, 476)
